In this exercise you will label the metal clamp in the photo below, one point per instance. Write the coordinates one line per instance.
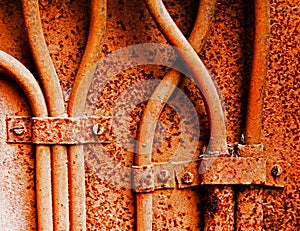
(59, 130)
(210, 171)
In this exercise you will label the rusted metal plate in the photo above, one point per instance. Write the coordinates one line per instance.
(55, 130)
(210, 171)
(222, 171)
(143, 178)
(227, 54)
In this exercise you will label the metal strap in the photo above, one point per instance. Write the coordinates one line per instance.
(59, 130)
(210, 171)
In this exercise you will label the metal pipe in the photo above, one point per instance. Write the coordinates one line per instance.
(198, 71)
(55, 104)
(155, 106)
(218, 144)
(76, 105)
(259, 72)
(250, 199)
(43, 157)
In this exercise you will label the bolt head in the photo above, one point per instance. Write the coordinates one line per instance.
(276, 170)
(98, 130)
(187, 178)
(19, 129)
(163, 176)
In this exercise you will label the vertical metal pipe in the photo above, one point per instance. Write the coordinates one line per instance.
(250, 199)
(43, 157)
(76, 105)
(55, 104)
(259, 72)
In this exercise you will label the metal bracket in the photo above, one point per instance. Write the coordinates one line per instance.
(59, 130)
(204, 171)
(210, 171)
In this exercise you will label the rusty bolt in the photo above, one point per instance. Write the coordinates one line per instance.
(98, 130)
(163, 176)
(187, 178)
(276, 170)
(19, 129)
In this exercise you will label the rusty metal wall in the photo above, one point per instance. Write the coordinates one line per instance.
(227, 53)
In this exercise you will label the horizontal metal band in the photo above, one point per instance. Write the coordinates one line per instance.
(213, 171)
(59, 130)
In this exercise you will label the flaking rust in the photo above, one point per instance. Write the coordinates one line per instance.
(227, 53)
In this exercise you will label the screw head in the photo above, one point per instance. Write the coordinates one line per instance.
(163, 176)
(98, 130)
(187, 178)
(19, 129)
(276, 170)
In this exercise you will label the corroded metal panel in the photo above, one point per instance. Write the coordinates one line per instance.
(17, 165)
(100, 180)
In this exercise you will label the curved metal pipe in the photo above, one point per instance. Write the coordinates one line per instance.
(43, 157)
(155, 106)
(218, 144)
(91, 56)
(55, 104)
(76, 105)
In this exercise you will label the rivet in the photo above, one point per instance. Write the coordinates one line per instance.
(19, 129)
(187, 178)
(163, 176)
(97, 130)
(276, 170)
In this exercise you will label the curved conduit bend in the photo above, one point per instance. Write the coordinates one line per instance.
(217, 144)
(56, 108)
(43, 158)
(154, 108)
(76, 106)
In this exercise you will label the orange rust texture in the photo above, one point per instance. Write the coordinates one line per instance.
(227, 54)
(17, 185)
(219, 209)
(250, 211)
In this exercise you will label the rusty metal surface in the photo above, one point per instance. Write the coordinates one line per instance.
(250, 201)
(143, 179)
(92, 53)
(198, 72)
(210, 171)
(219, 207)
(157, 103)
(34, 94)
(249, 212)
(227, 53)
(223, 171)
(59, 130)
(55, 105)
(259, 69)
(17, 184)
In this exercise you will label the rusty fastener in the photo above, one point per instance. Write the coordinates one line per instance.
(187, 178)
(276, 170)
(163, 176)
(97, 130)
(19, 129)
